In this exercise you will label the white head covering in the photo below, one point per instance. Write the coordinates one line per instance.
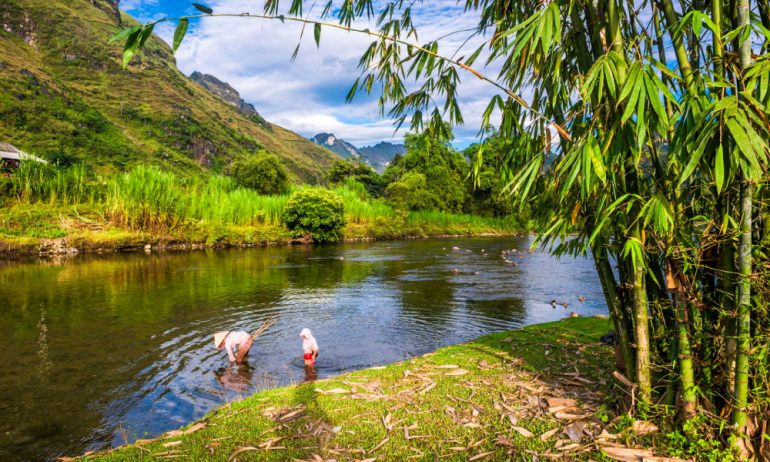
(305, 333)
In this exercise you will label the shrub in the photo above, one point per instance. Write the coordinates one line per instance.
(317, 212)
(262, 173)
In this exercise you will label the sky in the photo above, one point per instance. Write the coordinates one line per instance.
(308, 94)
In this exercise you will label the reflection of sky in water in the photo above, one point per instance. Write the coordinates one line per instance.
(125, 343)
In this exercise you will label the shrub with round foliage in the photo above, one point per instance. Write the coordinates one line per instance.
(262, 173)
(319, 213)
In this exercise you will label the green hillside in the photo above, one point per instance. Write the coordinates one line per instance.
(64, 94)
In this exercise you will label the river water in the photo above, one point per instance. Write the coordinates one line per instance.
(97, 350)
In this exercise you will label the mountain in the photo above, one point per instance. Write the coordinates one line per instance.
(229, 94)
(336, 145)
(65, 94)
(378, 156)
(381, 154)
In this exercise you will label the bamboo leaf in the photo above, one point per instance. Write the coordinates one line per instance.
(203, 8)
(180, 32)
(317, 34)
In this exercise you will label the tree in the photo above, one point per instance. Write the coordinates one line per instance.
(487, 182)
(652, 165)
(443, 169)
(361, 172)
(263, 173)
(411, 192)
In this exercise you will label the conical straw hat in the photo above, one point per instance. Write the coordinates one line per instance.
(219, 337)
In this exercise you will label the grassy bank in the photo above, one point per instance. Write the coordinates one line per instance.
(537, 391)
(54, 210)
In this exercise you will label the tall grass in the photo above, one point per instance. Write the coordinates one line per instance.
(148, 198)
(359, 207)
(38, 182)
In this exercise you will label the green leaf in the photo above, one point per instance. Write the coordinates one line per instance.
(180, 32)
(719, 168)
(124, 33)
(317, 34)
(203, 8)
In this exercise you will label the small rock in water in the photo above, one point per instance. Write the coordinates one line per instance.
(455, 248)
(456, 271)
(581, 299)
(342, 258)
(574, 315)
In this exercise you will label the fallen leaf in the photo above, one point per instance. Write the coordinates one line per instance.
(333, 391)
(456, 372)
(549, 434)
(575, 431)
(193, 428)
(481, 455)
(381, 444)
(627, 454)
(240, 450)
(523, 432)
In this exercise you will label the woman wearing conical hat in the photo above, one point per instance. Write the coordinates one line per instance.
(237, 344)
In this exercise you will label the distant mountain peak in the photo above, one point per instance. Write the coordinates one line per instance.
(378, 155)
(337, 145)
(229, 94)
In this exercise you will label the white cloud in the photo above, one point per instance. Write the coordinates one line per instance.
(307, 95)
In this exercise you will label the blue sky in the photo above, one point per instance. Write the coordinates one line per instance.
(307, 95)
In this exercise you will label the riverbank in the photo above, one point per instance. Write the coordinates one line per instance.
(56, 229)
(541, 390)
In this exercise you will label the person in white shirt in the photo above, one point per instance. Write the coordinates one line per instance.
(237, 344)
(309, 347)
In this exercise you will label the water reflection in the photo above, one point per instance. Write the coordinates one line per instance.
(97, 350)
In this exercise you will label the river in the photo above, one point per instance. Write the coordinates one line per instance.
(99, 350)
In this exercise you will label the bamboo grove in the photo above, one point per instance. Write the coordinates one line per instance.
(639, 131)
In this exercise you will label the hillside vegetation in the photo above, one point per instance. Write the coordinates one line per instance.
(65, 96)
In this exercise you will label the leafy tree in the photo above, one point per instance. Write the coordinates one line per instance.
(319, 213)
(486, 185)
(263, 173)
(443, 168)
(361, 172)
(411, 192)
(657, 167)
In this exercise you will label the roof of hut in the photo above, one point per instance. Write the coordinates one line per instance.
(9, 151)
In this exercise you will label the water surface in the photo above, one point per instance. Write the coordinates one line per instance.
(100, 350)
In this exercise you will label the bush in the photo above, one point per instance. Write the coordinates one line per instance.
(262, 173)
(317, 212)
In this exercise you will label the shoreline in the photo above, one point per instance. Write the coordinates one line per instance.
(25, 247)
(527, 390)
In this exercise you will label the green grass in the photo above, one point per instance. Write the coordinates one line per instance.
(158, 207)
(419, 409)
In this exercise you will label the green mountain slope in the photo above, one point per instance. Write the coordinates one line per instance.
(64, 94)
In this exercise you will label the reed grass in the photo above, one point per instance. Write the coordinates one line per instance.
(39, 182)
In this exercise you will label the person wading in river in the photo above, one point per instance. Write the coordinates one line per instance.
(237, 344)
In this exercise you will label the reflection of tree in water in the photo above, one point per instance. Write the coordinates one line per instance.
(42, 346)
(428, 301)
(508, 311)
(323, 269)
